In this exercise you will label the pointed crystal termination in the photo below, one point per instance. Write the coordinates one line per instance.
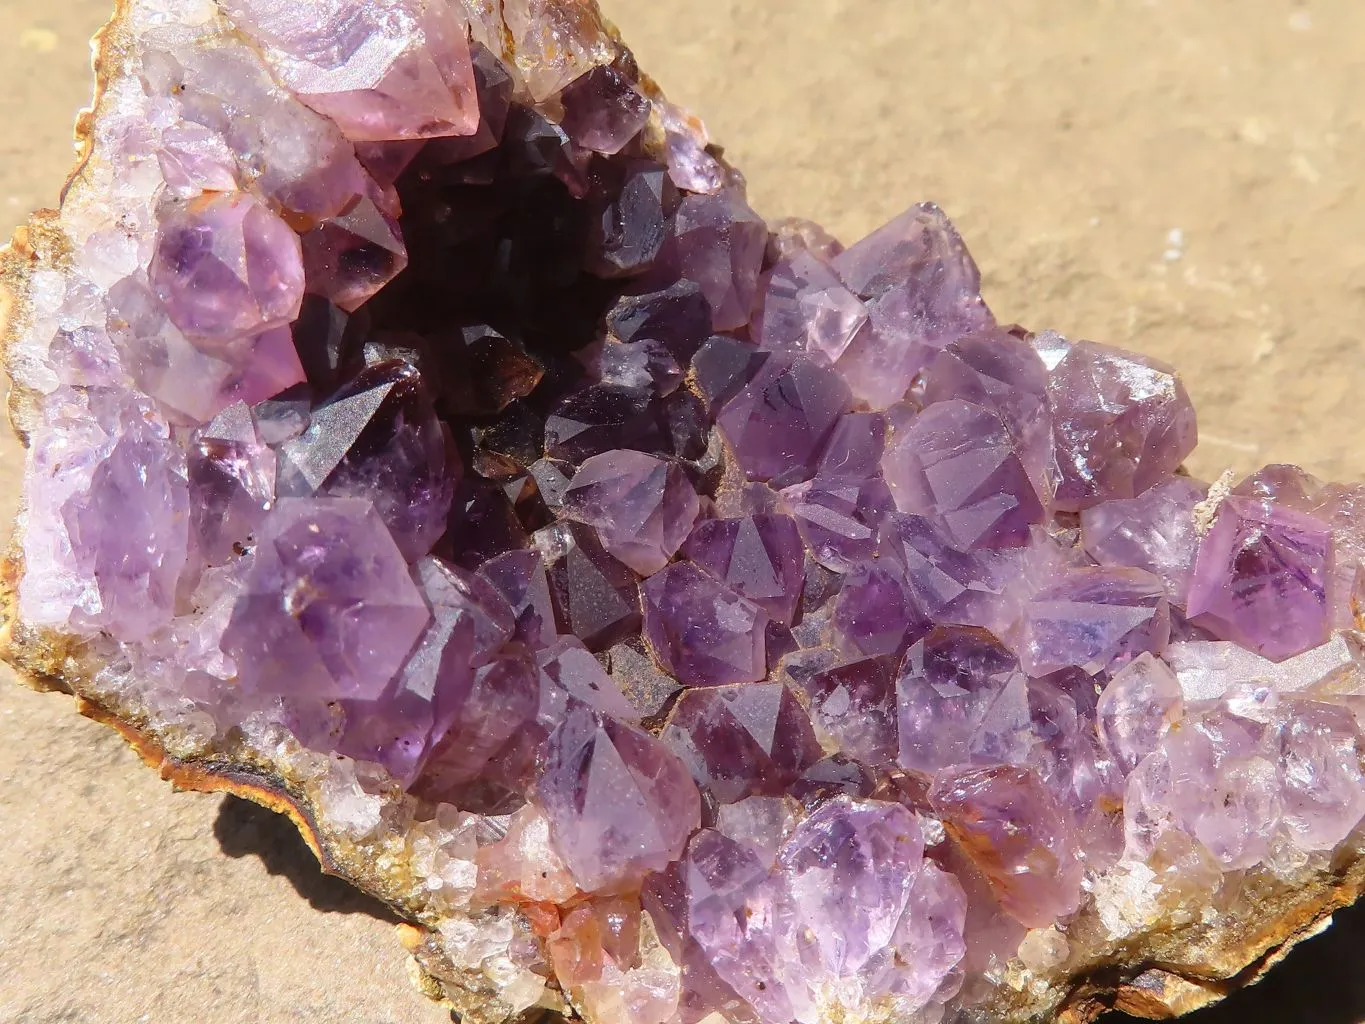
(922, 291)
(702, 632)
(619, 803)
(328, 608)
(379, 439)
(641, 506)
(226, 266)
(395, 70)
(1261, 578)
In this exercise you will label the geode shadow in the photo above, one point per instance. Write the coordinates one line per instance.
(245, 829)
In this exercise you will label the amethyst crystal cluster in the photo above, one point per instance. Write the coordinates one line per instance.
(737, 624)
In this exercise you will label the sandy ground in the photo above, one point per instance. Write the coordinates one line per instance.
(1176, 176)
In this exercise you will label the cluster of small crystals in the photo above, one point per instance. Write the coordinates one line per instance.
(772, 632)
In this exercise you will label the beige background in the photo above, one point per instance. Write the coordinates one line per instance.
(1176, 176)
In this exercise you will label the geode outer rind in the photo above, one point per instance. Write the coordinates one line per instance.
(1170, 961)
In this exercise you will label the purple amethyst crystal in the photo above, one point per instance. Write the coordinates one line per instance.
(1121, 423)
(226, 266)
(619, 803)
(1261, 578)
(742, 740)
(400, 73)
(1091, 617)
(328, 608)
(806, 308)
(759, 557)
(701, 631)
(921, 290)
(1010, 826)
(780, 420)
(703, 622)
(957, 464)
(379, 439)
(718, 244)
(641, 506)
(469, 622)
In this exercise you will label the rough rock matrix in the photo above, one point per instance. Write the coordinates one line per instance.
(678, 617)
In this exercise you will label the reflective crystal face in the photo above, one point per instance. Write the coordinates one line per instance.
(739, 624)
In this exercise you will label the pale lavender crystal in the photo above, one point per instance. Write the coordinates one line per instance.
(1010, 826)
(806, 308)
(780, 420)
(226, 266)
(327, 609)
(1136, 709)
(469, 622)
(961, 699)
(642, 507)
(619, 803)
(1121, 422)
(742, 740)
(1322, 787)
(1261, 578)
(849, 915)
(393, 70)
(855, 447)
(603, 110)
(1153, 531)
(570, 675)
(689, 164)
(1091, 617)
(97, 451)
(996, 370)
(1234, 804)
(957, 464)
(759, 557)
(838, 519)
(954, 587)
(854, 706)
(288, 153)
(762, 823)
(1068, 757)
(732, 907)
(848, 868)
(719, 242)
(701, 631)
(922, 291)
(194, 159)
(232, 483)
(875, 613)
(188, 382)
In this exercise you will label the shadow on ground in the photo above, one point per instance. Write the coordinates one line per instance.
(1320, 982)
(245, 829)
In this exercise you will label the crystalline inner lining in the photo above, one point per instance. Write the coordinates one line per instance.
(724, 621)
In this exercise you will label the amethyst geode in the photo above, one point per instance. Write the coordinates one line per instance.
(682, 618)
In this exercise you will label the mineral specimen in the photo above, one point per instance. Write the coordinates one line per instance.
(681, 618)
